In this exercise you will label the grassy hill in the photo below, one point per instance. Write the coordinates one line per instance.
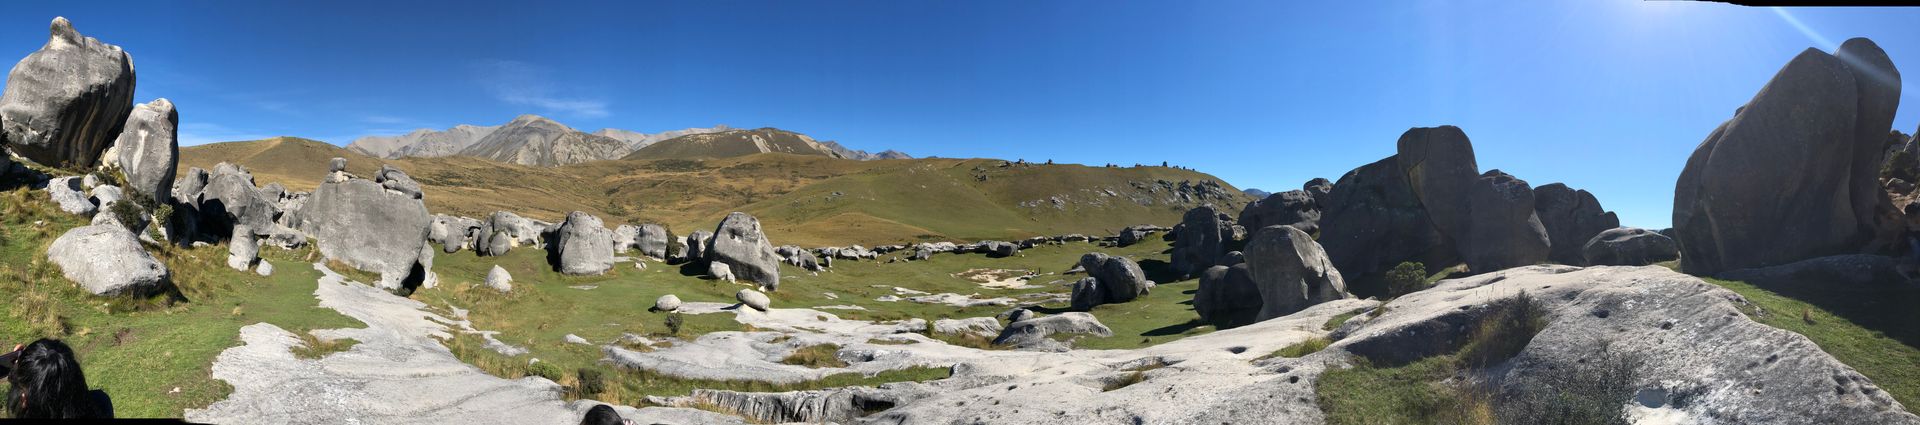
(800, 199)
(732, 143)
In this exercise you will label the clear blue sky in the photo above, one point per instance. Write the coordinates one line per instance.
(1609, 96)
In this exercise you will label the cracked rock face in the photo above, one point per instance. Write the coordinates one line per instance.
(362, 224)
(739, 243)
(64, 104)
(149, 149)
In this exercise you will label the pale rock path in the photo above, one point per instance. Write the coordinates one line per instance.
(399, 372)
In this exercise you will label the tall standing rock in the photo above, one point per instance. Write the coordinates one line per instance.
(1784, 179)
(1373, 222)
(739, 243)
(1439, 164)
(584, 245)
(149, 149)
(371, 228)
(1290, 271)
(65, 103)
(652, 240)
(1505, 233)
(1200, 240)
(1571, 217)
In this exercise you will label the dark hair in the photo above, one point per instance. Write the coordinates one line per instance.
(601, 415)
(47, 383)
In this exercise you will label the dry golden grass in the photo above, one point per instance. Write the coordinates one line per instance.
(816, 356)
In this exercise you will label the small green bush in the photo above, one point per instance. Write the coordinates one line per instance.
(544, 370)
(591, 382)
(673, 323)
(1406, 278)
(1504, 332)
(128, 212)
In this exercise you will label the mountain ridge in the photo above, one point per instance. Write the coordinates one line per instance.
(535, 140)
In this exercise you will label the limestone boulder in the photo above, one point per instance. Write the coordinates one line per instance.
(1200, 240)
(108, 260)
(721, 272)
(1439, 165)
(67, 193)
(986, 327)
(1295, 208)
(65, 103)
(1629, 246)
(499, 279)
(1121, 280)
(624, 237)
(1571, 217)
(753, 299)
(1374, 222)
(1503, 232)
(149, 149)
(652, 240)
(666, 303)
(1227, 297)
(1810, 139)
(1291, 271)
(242, 249)
(230, 198)
(584, 245)
(697, 244)
(1320, 189)
(738, 242)
(1033, 334)
(368, 227)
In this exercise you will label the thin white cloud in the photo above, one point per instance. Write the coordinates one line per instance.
(200, 133)
(521, 83)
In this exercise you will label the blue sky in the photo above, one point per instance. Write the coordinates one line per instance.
(1609, 96)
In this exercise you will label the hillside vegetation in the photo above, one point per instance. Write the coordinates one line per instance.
(805, 200)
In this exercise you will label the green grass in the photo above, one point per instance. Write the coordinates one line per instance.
(816, 356)
(138, 351)
(313, 348)
(1423, 391)
(1341, 319)
(1890, 363)
(1300, 349)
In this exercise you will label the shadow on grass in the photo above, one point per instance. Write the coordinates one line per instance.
(1175, 329)
(1886, 307)
(1158, 270)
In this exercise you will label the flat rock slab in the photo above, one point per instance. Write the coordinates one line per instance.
(398, 373)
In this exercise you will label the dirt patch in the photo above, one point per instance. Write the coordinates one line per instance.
(998, 278)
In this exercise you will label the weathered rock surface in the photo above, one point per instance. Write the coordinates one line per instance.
(721, 272)
(242, 250)
(1373, 222)
(623, 238)
(1629, 246)
(652, 240)
(1811, 139)
(1199, 240)
(754, 299)
(584, 246)
(697, 244)
(1227, 297)
(1571, 217)
(67, 193)
(1291, 271)
(739, 243)
(1504, 231)
(1320, 189)
(230, 199)
(505, 230)
(1120, 279)
(987, 327)
(149, 149)
(499, 279)
(1441, 170)
(65, 103)
(667, 303)
(1033, 333)
(1295, 208)
(364, 225)
(107, 260)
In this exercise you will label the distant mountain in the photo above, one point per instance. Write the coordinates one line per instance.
(538, 141)
(638, 140)
(734, 143)
(422, 143)
(1257, 193)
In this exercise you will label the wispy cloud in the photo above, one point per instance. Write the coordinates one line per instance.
(201, 132)
(525, 84)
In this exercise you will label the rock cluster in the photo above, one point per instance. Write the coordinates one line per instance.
(739, 243)
(1110, 280)
(1200, 239)
(1629, 246)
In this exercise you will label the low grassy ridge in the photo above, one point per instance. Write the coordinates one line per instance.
(153, 356)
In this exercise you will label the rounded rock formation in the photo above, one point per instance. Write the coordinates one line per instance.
(149, 150)
(584, 246)
(1290, 271)
(64, 104)
(739, 243)
(1629, 246)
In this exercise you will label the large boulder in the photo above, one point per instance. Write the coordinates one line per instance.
(754, 299)
(149, 150)
(1121, 280)
(1629, 246)
(230, 199)
(652, 240)
(1034, 334)
(1087, 294)
(499, 279)
(624, 237)
(65, 103)
(1571, 217)
(1227, 297)
(368, 227)
(1320, 189)
(1200, 239)
(584, 246)
(67, 192)
(1291, 271)
(107, 260)
(1373, 222)
(1504, 232)
(739, 243)
(1439, 165)
(1295, 208)
(1792, 175)
(242, 250)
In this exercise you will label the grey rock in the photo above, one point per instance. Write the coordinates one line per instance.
(739, 243)
(668, 302)
(264, 269)
(1320, 189)
(1439, 164)
(242, 250)
(624, 237)
(108, 260)
(987, 327)
(697, 244)
(1811, 138)
(66, 192)
(652, 240)
(1033, 333)
(1121, 280)
(998, 249)
(1505, 232)
(576, 339)
(366, 226)
(1227, 297)
(337, 165)
(1374, 222)
(755, 299)
(499, 279)
(1571, 217)
(1087, 294)
(1861, 275)
(149, 149)
(585, 246)
(1291, 271)
(505, 230)
(230, 198)
(105, 195)
(65, 103)
(1199, 240)
(1629, 246)
(395, 180)
(1295, 208)
(188, 189)
(721, 271)
(1016, 315)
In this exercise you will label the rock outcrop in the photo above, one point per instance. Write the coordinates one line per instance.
(65, 103)
(1227, 297)
(149, 150)
(584, 245)
(1034, 334)
(363, 224)
(1295, 208)
(1810, 139)
(1200, 239)
(739, 243)
(1504, 232)
(1374, 222)
(1571, 217)
(1629, 246)
(1290, 271)
(230, 199)
(108, 260)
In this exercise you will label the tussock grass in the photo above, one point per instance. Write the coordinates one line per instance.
(314, 348)
(816, 356)
(1300, 349)
(1430, 390)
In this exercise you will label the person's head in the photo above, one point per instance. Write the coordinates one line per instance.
(601, 415)
(44, 381)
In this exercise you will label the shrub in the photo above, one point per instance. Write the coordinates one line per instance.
(128, 213)
(591, 382)
(544, 370)
(1504, 332)
(673, 323)
(1406, 278)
